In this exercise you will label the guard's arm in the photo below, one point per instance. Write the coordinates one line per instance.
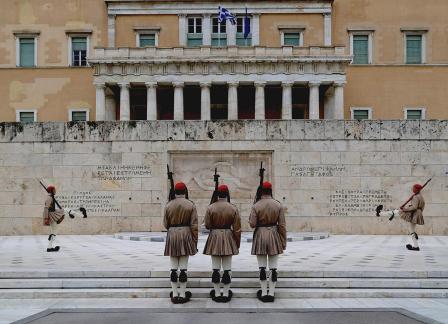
(194, 224)
(236, 228)
(253, 218)
(412, 205)
(282, 227)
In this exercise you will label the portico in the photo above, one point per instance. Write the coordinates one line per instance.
(221, 83)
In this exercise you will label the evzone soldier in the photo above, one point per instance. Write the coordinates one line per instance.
(411, 212)
(181, 222)
(54, 216)
(268, 219)
(223, 220)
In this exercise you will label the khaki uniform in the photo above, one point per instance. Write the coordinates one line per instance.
(268, 219)
(413, 211)
(181, 221)
(224, 222)
(55, 215)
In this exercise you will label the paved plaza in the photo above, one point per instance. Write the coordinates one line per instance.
(337, 253)
(353, 260)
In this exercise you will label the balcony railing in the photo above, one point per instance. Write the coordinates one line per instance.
(231, 53)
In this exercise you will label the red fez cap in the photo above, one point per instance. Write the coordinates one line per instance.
(180, 186)
(417, 187)
(51, 188)
(267, 185)
(223, 188)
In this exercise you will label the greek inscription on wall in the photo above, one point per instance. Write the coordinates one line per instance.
(317, 171)
(347, 202)
(122, 172)
(96, 203)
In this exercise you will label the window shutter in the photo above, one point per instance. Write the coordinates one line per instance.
(360, 49)
(413, 49)
(414, 114)
(27, 52)
(79, 116)
(360, 114)
(147, 40)
(79, 43)
(291, 39)
(26, 117)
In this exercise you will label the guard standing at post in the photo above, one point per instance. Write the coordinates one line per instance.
(181, 221)
(268, 219)
(223, 220)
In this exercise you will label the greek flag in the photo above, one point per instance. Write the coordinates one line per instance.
(225, 14)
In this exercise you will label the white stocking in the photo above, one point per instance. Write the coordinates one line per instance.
(174, 266)
(227, 265)
(389, 213)
(273, 262)
(183, 265)
(263, 263)
(412, 228)
(216, 264)
(53, 232)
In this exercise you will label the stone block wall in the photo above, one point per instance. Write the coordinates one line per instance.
(330, 174)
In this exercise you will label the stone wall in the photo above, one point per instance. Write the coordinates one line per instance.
(330, 174)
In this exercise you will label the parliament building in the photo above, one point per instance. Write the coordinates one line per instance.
(87, 60)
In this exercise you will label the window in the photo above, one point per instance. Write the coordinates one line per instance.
(146, 40)
(78, 115)
(414, 49)
(26, 115)
(240, 27)
(291, 35)
(414, 113)
(360, 49)
(361, 113)
(79, 46)
(219, 34)
(194, 36)
(27, 52)
(291, 39)
(361, 43)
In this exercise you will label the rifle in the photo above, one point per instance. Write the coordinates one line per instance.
(55, 201)
(410, 198)
(260, 186)
(215, 192)
(171, 194)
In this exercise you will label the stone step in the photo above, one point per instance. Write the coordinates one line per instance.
(206, 274)
(238, 293)
(392, 283)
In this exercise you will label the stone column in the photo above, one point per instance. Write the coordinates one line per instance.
(314, 100)
(151, 100)
(205, 100)
(178, 100)
(233, 101)
(327, 29)
(125, 110)
(206, 30)
(259, 100)
(100, 101)
(182, 30)
(231, 33)
(287, 100)
(255, 29)
(339, 100)
(111, 30)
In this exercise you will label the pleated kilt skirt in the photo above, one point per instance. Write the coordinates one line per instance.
(180, 242)
(415, 217)
(267, 241)
(220, 242)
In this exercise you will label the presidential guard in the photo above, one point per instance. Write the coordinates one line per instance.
(181, 222)
(223, 220)
(54, 216)
(267, 217)
(411, 212)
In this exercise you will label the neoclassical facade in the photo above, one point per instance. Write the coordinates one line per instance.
(173, 60)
